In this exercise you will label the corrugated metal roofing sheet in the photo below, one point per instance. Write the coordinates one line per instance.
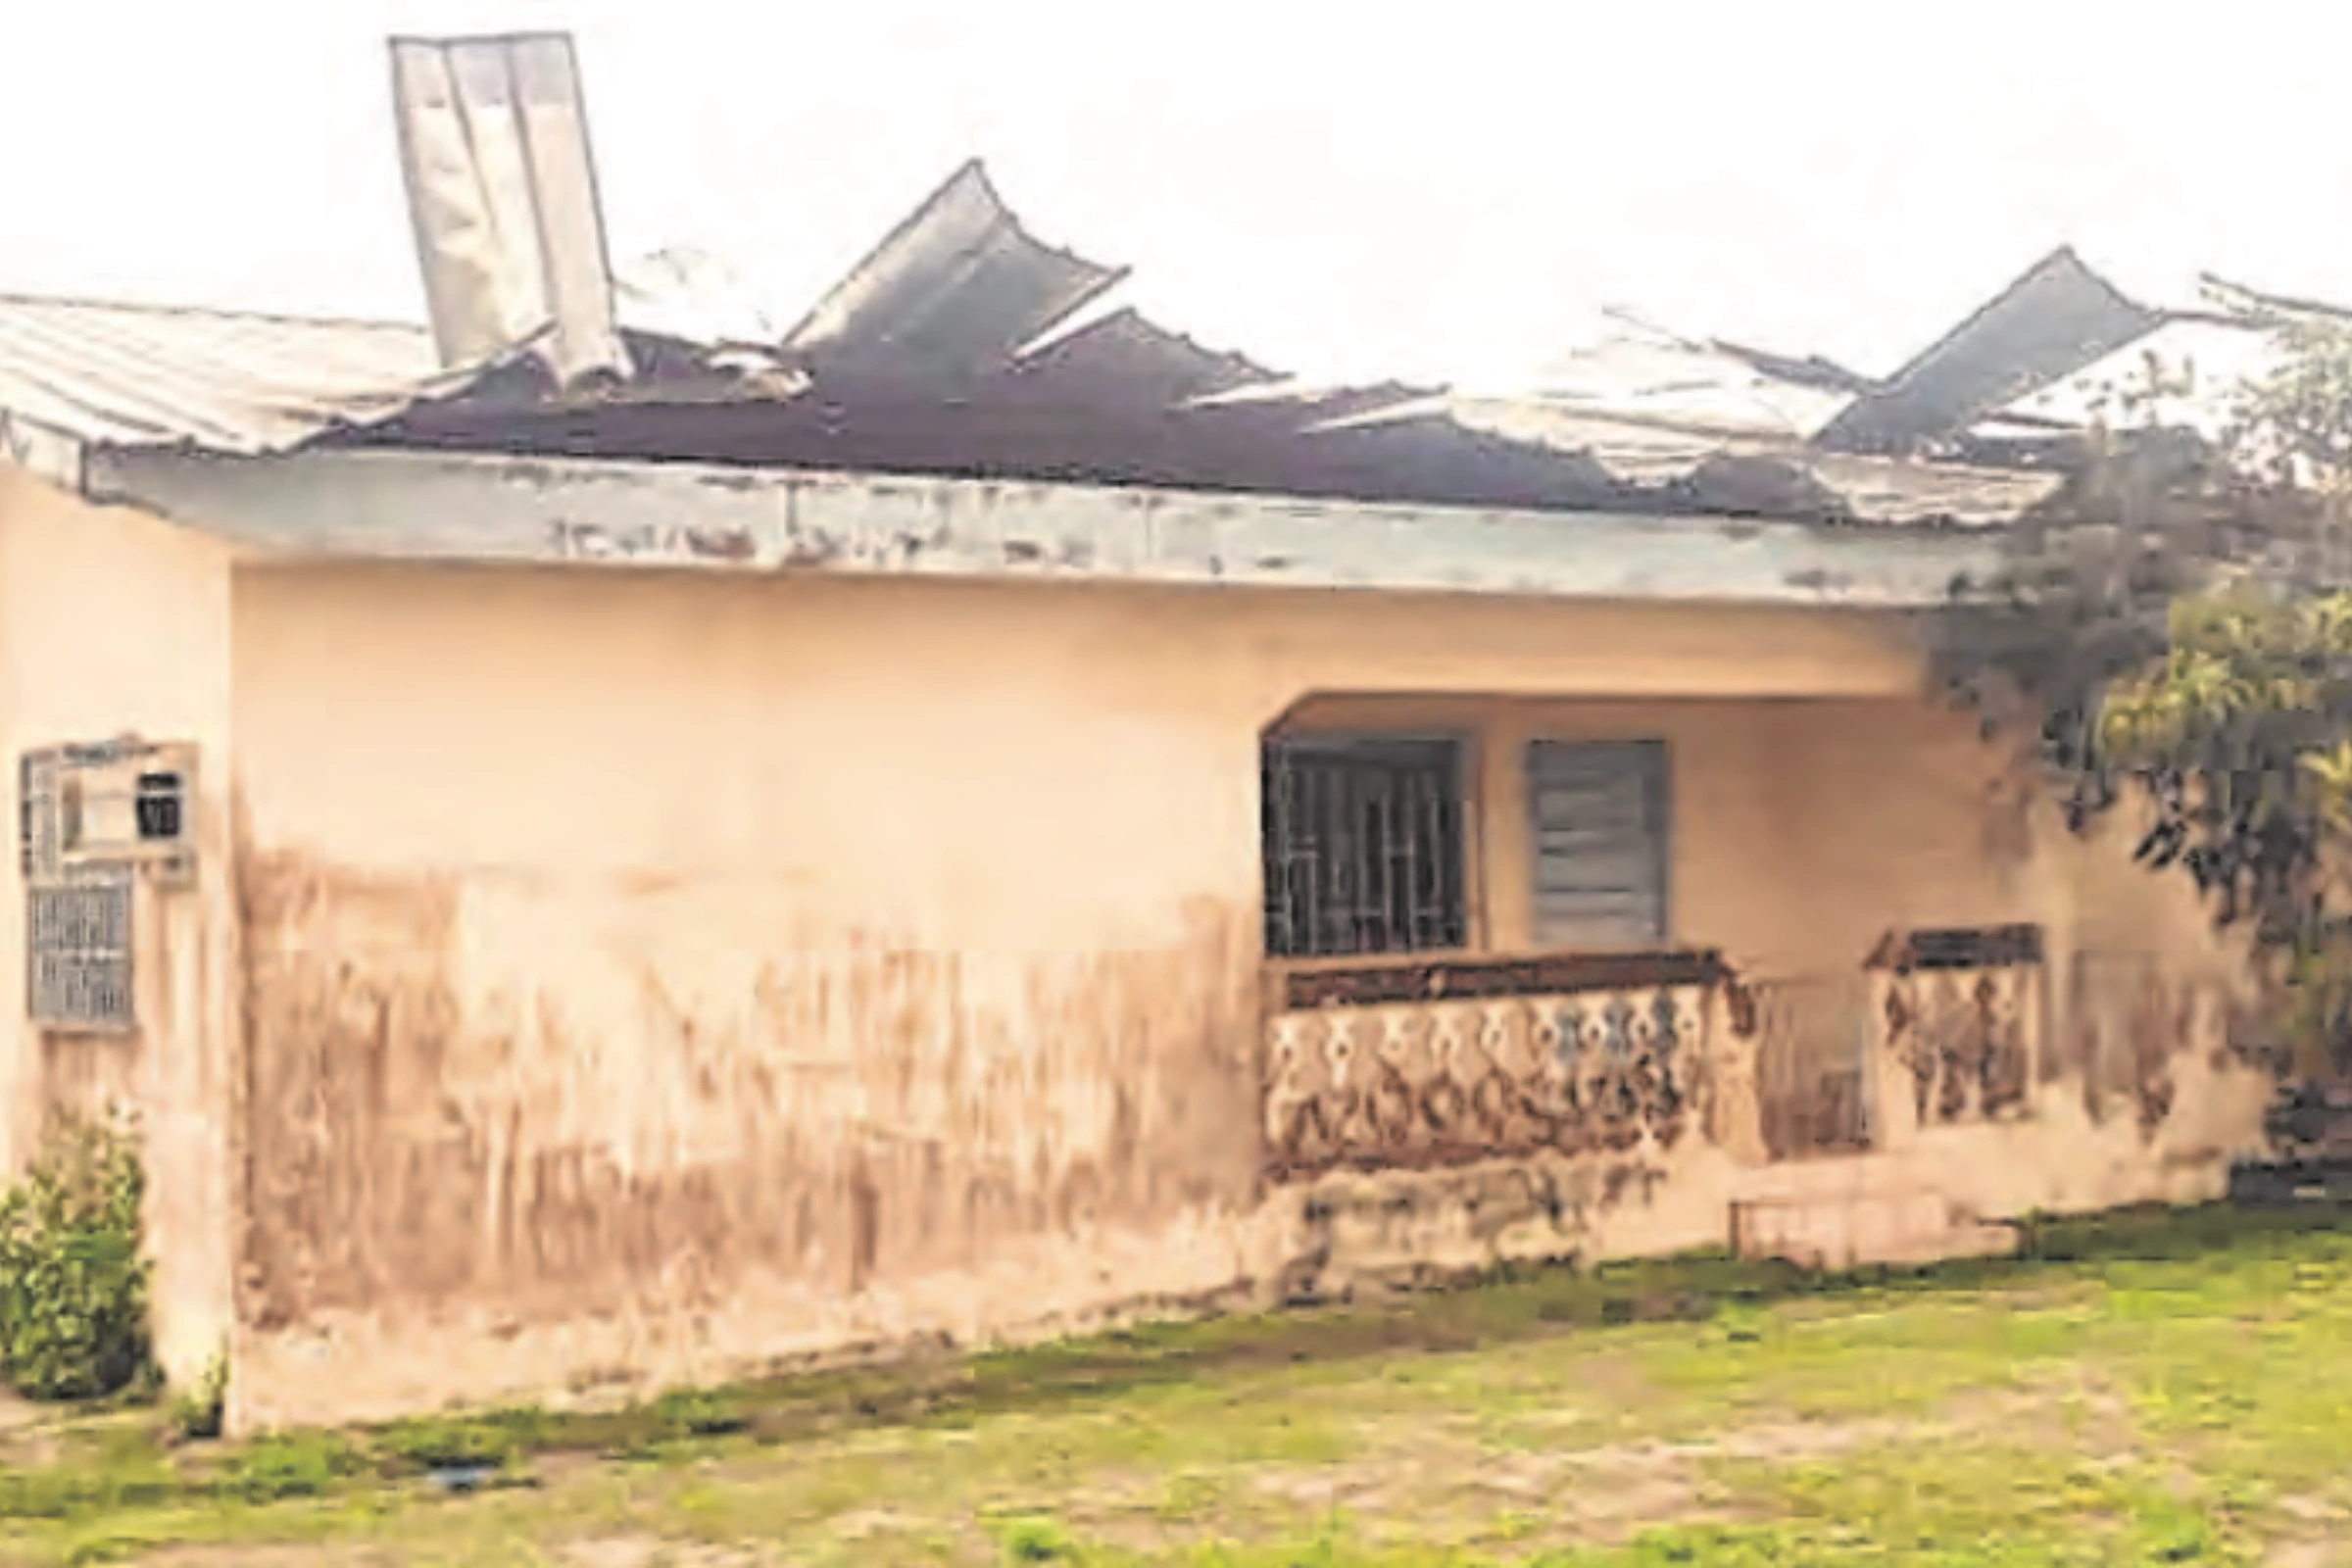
(1124, 357)
(1712, 396)
(501, 198)
(1745, 429)
(106, 373)
(2053, 322)
(957, 289)
(142, 375)
(1756, 474)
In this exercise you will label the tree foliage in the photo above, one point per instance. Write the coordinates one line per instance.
(2178, 620)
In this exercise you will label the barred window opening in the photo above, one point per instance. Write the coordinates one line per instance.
(77, 917)
(1363, 846)
(79, 950)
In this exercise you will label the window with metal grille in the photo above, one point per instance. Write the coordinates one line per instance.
(1597, 817)
(77, 937)
(79, 950)
(1363, 846)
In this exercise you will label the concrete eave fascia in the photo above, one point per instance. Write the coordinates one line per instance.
(416, 505)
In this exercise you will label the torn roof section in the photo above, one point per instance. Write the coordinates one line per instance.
(958, 288)
(917, 365)
(964, 346)
(2051, 323)
(1978, 427)
(501, 190)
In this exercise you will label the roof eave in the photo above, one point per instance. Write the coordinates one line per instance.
(433, 507)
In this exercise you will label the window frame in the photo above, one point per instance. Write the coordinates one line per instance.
(81, 951)
(81, 901)
(1655, 780)
(1458, 882)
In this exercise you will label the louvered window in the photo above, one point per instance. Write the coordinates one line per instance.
(1599, 820)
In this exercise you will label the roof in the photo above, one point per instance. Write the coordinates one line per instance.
(1708, 422)
(1980, 425)
(85, 373)
(961, 348)
(128, 375)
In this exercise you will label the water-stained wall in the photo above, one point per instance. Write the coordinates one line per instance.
(113, 623)
(650, 976)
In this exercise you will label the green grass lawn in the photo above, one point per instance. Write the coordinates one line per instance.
(2147, 1390)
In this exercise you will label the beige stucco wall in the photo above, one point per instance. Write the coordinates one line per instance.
(111, 623)
(654, 975)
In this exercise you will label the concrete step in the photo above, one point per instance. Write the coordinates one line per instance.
(1837, 1233)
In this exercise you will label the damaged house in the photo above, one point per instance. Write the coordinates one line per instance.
(603, 853)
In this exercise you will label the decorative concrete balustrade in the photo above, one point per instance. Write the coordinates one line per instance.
(1962, 1014)
(1386, 1065)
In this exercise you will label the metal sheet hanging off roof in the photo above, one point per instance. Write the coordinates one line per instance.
(501, 196)
(2058, 318)
(958, 288)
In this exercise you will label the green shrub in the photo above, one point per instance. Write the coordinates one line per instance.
(73, 1282)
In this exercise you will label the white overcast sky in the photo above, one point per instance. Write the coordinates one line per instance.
(1416, 188)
